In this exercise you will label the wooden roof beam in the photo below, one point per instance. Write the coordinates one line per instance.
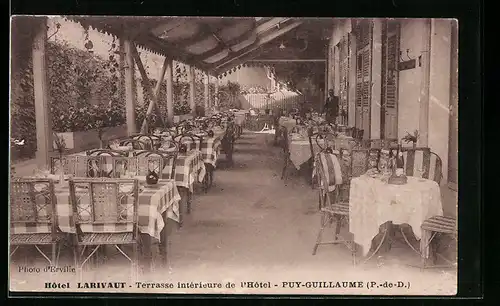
(253, 31)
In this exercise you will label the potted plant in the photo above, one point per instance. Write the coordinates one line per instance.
(411, 138)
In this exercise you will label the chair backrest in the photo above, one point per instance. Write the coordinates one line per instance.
(105, 152)
(146, 161)
(104, 205)
(32, 203)
(323, 140)
(169, 160)
(151, 141)
(421, 162)
(230, 131)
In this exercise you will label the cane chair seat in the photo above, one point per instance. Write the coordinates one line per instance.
(36, 238)
(106, 238)
(33, 218)
(333, 204)
(106, 213)
(440, 224)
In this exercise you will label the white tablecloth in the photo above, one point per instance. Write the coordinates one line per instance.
(373, 202)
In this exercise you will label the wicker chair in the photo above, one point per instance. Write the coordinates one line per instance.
(334, 205)
(106, 213)
(151, 141)
(33, 218)
(73, 165)
(168, 161)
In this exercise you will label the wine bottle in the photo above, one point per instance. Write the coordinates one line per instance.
(400, 162)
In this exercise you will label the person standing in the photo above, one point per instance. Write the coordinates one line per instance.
(331, 108)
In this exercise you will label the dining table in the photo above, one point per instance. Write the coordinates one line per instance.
(157, 204)
(374, 202)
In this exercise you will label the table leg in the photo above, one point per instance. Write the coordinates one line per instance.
(183, 204)
(165, 233)
(146, 252)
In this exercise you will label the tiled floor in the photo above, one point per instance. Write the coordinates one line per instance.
(253, 227)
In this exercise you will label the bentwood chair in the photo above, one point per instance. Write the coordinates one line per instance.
(151, 141)
(285, 145)
(73, 165)
(33, 217)
(105, 152)
(105, 213)
(334, 205)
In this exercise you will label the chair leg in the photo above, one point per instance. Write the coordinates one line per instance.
(338, 225)
(78, 268)
(324, 223)
(53, 254)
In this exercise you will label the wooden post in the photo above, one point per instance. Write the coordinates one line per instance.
(121, 63)
(192, 102)
(129, 88)
(170, 92)
(425, 84)
(42, 97)
(152, 104)
(216, 92)
(206, 94)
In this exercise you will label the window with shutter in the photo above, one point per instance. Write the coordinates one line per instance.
(389, 94)
(343, 47)
(364, 49)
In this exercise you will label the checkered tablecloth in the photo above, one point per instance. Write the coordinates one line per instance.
(189, 167)
(153, 202)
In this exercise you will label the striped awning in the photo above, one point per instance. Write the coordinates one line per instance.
(212, 44)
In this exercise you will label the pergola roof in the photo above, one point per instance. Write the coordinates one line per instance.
(212, 44)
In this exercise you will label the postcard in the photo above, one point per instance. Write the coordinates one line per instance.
(224, 155)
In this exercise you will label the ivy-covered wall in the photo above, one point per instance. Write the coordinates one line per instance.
(85, 93)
